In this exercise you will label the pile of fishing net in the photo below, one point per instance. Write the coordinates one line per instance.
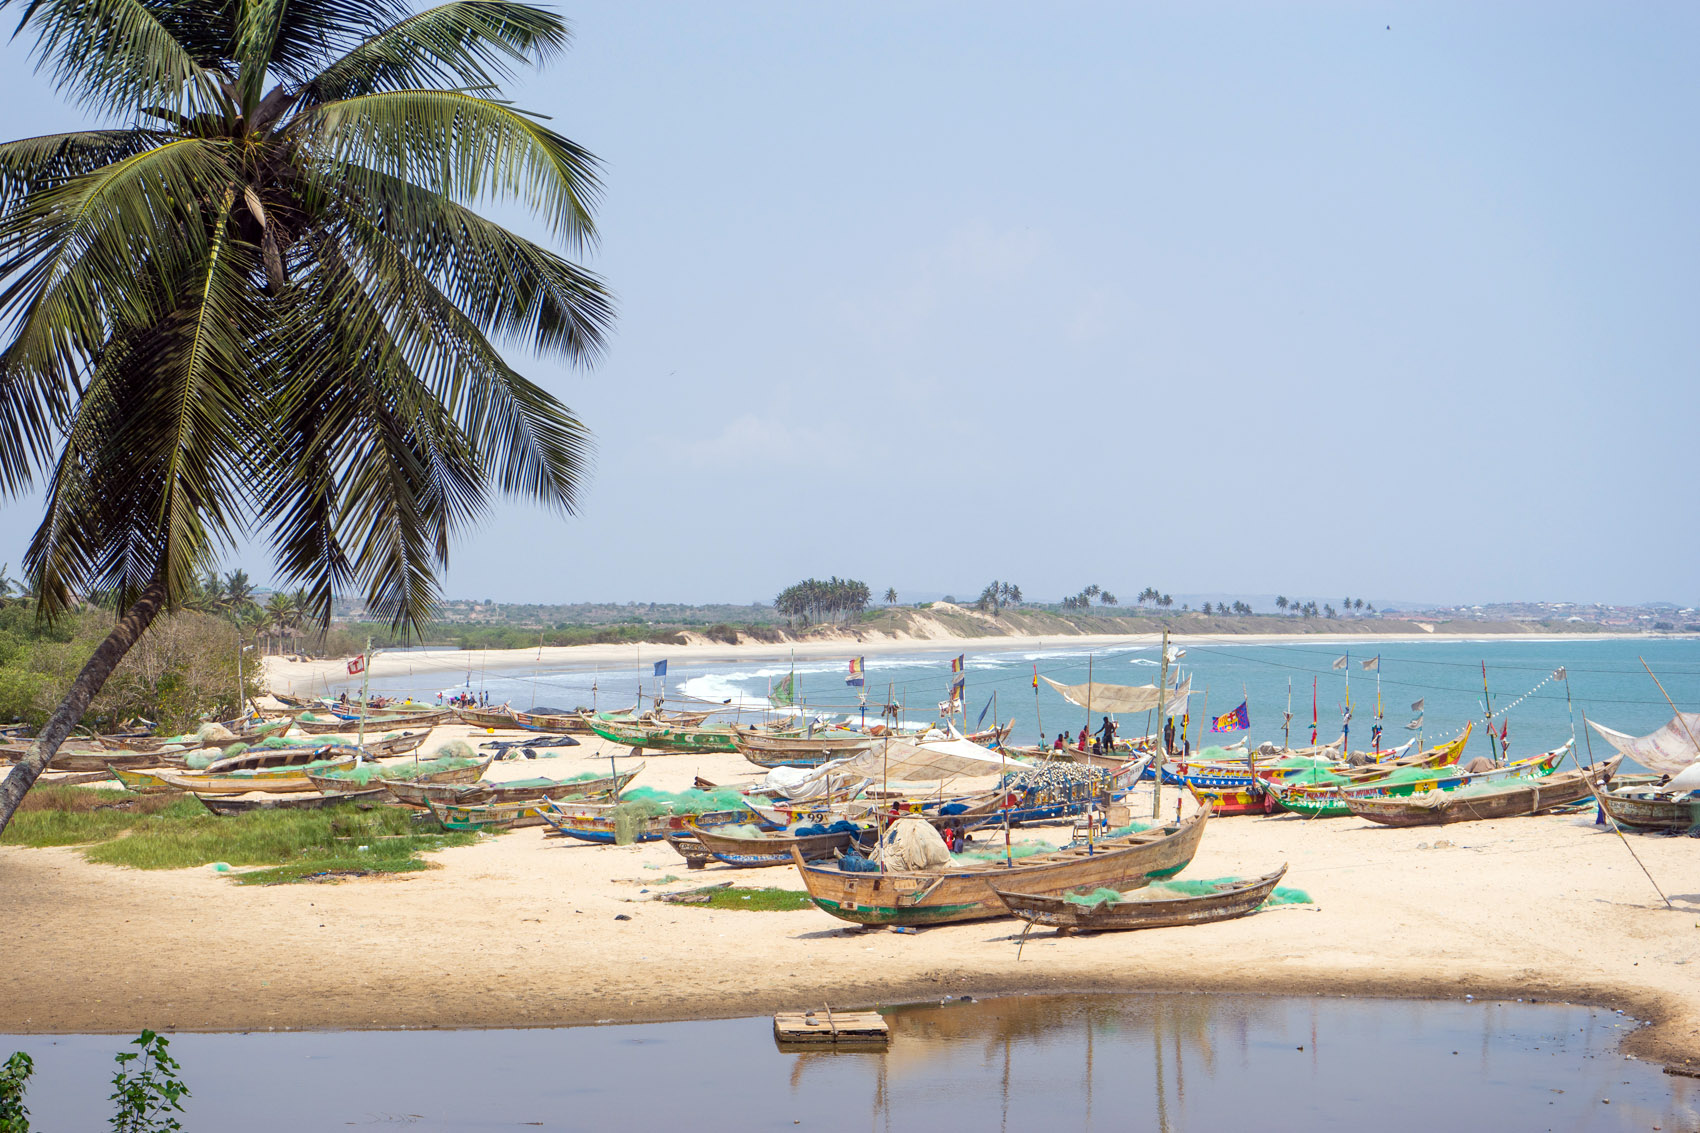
(1168, 890)
(1058, 776)
(402, 770)
(912, 843)
(994, 852)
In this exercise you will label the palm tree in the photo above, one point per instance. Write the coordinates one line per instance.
(1281, 602)
(7, 582)
(264, 301)
(238, 594)
(278, 611)
(891, 596)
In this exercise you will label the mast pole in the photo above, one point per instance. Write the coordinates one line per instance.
(365, 689)
(1162, 687)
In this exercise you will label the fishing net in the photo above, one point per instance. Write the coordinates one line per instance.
(1168, 890)
(854, 862)
(317, 765)
(199, 760)
(996, 853)
(235, 750)
(213, 733)
(365, 773)
(457, 749)
(1130, 828)
(640, 804)
(912, 843)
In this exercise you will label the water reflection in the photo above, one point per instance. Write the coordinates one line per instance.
(1168, 1063)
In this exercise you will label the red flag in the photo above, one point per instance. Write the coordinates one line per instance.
(1313, 712)
(1503, 724)
(357, 666)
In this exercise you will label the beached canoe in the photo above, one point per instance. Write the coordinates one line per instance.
(416, 793)
(376, 722)
(664, 738)
(499, 719)
(224, 805)
(1328, 800)
(338, 783)
(555, 723)
(85, 761)
(796, 751)
(274, 781)
(155, 780)
(256, 758)
(1508, 800)
(1643, 808)
(596, 822)
(967, 893)
(490, 816)
(772, 847)
(1231, 898)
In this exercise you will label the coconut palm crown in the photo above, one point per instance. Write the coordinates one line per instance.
(266, 305)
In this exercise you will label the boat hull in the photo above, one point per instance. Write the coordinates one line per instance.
(1514, 800)
(228, 806)
(1650, 813)
(947, 896)
(1066, 916)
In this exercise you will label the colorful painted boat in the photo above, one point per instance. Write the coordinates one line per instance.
(643, 736)
(256, 758)
(1508, 800)
(1330, 800)
(1233, 897)
(375, 722)
(274, 781)
(596, 822)
(555, 723)
(485, 816)
(771, 847)
(967, 893)
(1643, 808)
(416, 793)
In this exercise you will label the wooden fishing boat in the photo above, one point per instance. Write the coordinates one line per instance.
(966, 893)
(1329, 800)
(991, 737)
(1643, 808)
(256, 758)
(664, 738)
(219, 804)
(1234, 897)
(415, 793)
(374, 723)
(696, 855)
(500, 719)
(796, 751)
(274, 781)
(154, 781)
(774, 847)
(595, 822)
(1255, 798)
(1510, 800)
(489, 816)
(556, 723)
(470, 773)
(86, 761)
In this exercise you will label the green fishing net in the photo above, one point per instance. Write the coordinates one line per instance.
(1130, 828)
(640, 804)
(365, 773)
(995, 853)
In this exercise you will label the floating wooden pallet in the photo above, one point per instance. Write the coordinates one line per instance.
(830, 1028)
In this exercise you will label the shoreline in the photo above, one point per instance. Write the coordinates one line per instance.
(396, 663)
(522, 931)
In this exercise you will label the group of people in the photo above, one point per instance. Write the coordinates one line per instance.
(1101, 742)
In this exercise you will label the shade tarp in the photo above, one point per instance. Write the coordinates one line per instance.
(1113, 699)
(938, 759)
(1667, 751)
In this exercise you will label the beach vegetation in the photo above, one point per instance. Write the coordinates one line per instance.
(751, 900)
(998, 595)
(263, 304)
(14, 1078)
(813, 601)
(146, 1088)
(175, 832)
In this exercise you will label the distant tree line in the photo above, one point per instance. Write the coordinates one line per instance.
(1309, 609)
(1084, 599)
(836, 599)
(998, 595)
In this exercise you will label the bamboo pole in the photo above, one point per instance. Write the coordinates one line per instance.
(1162, 744)
(1668, 701)
(1618, 830)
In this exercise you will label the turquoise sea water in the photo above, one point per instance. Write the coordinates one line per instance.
(1605, 681)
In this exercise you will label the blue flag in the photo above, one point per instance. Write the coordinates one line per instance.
(983, 712)
(661, 668)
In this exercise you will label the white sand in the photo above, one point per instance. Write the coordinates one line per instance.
(520, 930)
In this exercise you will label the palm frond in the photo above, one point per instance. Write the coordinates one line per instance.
(466, 44)
(29, 165)
(466, 148)
(117, 55)
(314, 32)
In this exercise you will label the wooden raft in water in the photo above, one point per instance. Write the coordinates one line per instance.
(830, 1028)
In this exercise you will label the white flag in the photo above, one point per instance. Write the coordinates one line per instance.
(1560, 674)
(1340, 662)
(1373, 663)
(1415, 724)
(1417, 706)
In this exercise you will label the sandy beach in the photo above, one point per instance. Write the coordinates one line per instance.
(520, 930)
(309, 677)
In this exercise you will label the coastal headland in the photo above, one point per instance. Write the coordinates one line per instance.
(521, 930)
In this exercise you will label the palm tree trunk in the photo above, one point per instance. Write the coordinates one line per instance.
(83, 690)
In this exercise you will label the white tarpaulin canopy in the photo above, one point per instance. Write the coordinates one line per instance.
(1667, 750)
(1112, 699)
(938, 759)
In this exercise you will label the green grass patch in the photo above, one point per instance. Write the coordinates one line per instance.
(169, 832)
(757, 900)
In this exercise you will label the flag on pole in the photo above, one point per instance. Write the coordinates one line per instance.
(661, 668)
(1237, 720)
(1417, 705)
(1373, 664)
(956, 664)
(1035, 678)
(983, 712)
(784, 693)
(1414, 724)
(958, 687)
(1340, 662)
(357, 666)
(856, 673)
(1559, 674)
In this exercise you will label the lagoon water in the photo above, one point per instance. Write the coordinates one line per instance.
(1605, 680)
(1140, 1062)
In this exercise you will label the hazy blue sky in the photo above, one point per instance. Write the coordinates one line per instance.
(1214, 297)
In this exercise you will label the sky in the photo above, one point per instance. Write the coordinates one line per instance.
(1372, 298)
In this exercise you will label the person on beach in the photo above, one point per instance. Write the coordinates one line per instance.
(1061, 742)
(1169, 737)
(1107, 735)
(1080, 744)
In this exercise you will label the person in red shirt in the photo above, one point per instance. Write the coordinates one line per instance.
(1080, 744)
